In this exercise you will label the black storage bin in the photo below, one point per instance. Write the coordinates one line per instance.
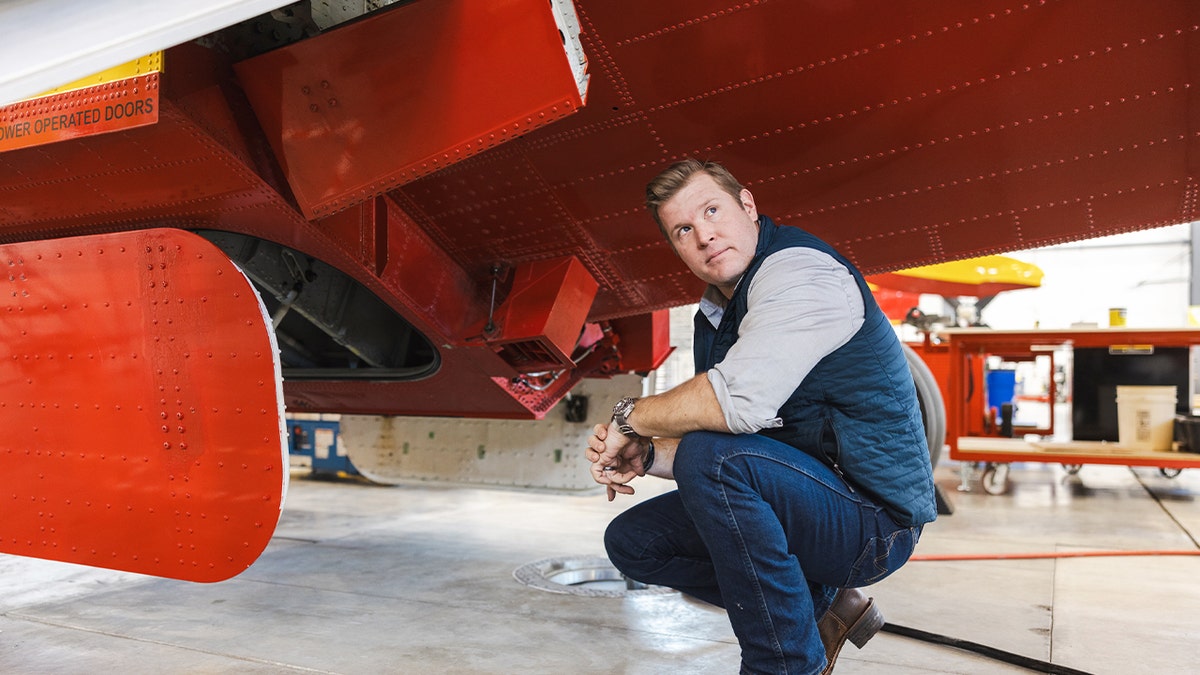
(1187, 433)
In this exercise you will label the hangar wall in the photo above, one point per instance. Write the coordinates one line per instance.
(1147, 272)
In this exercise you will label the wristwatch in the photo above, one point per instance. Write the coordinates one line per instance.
(621, 412)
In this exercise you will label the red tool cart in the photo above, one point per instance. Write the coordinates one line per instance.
(1095, 360)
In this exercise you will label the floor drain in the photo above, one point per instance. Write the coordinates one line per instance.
(589, 576)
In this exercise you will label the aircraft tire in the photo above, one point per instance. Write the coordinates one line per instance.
(933, 408)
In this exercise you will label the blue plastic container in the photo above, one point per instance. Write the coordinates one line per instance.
(1001, 387)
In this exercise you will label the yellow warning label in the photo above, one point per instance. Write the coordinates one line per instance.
(151, 63)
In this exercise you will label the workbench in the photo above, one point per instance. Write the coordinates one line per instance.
(997, 453)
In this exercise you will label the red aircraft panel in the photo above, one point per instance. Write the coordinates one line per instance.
(424, 85)
(905, 133)
(142, 422)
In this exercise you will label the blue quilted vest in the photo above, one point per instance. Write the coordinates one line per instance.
(857, 410)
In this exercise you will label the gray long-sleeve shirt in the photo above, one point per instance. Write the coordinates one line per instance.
(801, 306)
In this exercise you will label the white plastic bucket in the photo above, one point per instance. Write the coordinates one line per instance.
(1146, 417)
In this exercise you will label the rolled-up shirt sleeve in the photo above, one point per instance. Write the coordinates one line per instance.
(802, 305)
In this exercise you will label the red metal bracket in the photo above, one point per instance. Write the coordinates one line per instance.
(539, 324)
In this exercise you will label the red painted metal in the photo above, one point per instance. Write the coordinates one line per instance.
(539, 323)
(896, 304)
(905, 133)
(141, 415)
(967, 349)
(99, 109)
(382, 101)
(645, 340)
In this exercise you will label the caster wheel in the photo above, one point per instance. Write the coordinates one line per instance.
(995, 479)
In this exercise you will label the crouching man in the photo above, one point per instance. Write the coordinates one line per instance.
(798, 449)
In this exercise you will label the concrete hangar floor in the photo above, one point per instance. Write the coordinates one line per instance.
(420, 579)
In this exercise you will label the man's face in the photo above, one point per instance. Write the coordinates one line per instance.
(714, 234)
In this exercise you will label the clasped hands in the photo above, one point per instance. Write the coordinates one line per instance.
(616, 458)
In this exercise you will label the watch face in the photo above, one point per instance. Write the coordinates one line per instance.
(623, 407)
(620, 412)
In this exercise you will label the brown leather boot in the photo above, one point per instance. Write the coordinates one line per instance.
(852, 615)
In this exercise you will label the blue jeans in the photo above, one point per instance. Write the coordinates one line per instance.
(766, 531)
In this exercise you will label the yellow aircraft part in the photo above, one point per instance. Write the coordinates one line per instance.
(151, 63)
(982, 277)
(995, 269)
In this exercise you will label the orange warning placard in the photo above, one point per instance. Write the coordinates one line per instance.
(98, 109)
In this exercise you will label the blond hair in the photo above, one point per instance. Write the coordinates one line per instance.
(672, 179)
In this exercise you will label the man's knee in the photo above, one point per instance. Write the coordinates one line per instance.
(622, 549)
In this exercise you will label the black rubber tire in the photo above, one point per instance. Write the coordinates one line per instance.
(933, 408)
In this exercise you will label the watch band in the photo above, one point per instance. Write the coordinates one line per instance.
(621, 412)
(648, 461)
